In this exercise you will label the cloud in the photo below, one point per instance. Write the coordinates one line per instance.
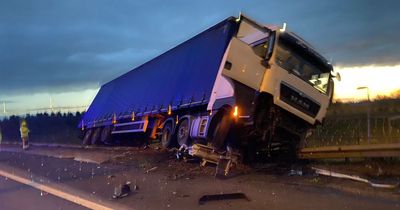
(7, 101)
(354, 32)
(56, 46)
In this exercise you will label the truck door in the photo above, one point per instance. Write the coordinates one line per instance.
(244, 65)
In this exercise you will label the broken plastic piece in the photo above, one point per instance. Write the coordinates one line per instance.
(295, 172)
(218, 197)
(223, 167)
(182, 152)
(151, 169)
(122, 191)
(355, 178)
(224, 161)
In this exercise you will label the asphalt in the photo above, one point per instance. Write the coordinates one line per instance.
(175, 184)
(14, 195)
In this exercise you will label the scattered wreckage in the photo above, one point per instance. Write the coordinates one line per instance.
(225, 161)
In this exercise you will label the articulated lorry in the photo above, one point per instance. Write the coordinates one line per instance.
(238, 85)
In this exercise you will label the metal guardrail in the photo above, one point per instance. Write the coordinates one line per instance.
(351, 151)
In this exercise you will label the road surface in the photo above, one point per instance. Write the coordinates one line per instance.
(173, 184)
(14, 195)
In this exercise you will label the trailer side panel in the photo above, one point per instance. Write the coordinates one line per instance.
(182, 75)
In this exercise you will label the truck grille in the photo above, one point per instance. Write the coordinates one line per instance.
(299, 100)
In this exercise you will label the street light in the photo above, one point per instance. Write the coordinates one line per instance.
(4, 109)
(363, 88)
(368, 112)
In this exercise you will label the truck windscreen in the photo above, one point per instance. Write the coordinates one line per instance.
(300, 60)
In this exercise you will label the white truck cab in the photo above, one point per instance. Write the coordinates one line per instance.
(276, 81)
(278, 62)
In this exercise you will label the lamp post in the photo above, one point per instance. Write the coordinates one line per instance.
(4, 109)
(368, 112)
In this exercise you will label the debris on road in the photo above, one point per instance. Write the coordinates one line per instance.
(178, 176)
(294, 172)
(151, 169)
(182, 152)
(223, 167)
(122, 155)
(224, 161)
(135, 187)
(355, 178)
(123, 190)
(88, 160)
(218, 197)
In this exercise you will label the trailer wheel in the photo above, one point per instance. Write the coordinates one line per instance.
(166, 136)
(105, 136)
(87, 137)
(96, 136)
(221, 130)
(182, 134)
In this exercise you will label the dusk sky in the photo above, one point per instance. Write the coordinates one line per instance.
(67, 49)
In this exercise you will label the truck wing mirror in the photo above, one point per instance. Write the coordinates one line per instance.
(337, 76)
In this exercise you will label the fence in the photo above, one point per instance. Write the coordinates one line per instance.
(354, 130)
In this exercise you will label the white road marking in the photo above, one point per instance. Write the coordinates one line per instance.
(73, 198)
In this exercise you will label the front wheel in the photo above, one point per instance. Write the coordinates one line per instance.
(221, 130)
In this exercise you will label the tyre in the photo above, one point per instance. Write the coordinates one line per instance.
(105, 136)
(221, 130)
(87, 137)
(183, 133)
(167, 135)
(96, 136)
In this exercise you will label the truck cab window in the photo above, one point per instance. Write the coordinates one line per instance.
(261, 49)
(294, 59)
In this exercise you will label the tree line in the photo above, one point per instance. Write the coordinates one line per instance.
(44, 127)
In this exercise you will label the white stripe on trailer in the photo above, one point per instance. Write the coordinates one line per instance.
(143, 128)
(129, 123)
(128, 131)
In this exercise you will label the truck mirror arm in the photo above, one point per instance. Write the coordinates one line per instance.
(337, 76)
(265, 63)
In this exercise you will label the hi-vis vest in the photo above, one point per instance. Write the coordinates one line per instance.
(24, 131)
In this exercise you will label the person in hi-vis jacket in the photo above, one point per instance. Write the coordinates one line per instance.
(24, 130)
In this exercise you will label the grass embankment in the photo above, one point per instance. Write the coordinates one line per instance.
(346, 124)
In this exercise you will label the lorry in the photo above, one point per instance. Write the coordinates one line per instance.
(237, 86)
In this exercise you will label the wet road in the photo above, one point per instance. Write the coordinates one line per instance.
(14, 195)
(166, 187)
